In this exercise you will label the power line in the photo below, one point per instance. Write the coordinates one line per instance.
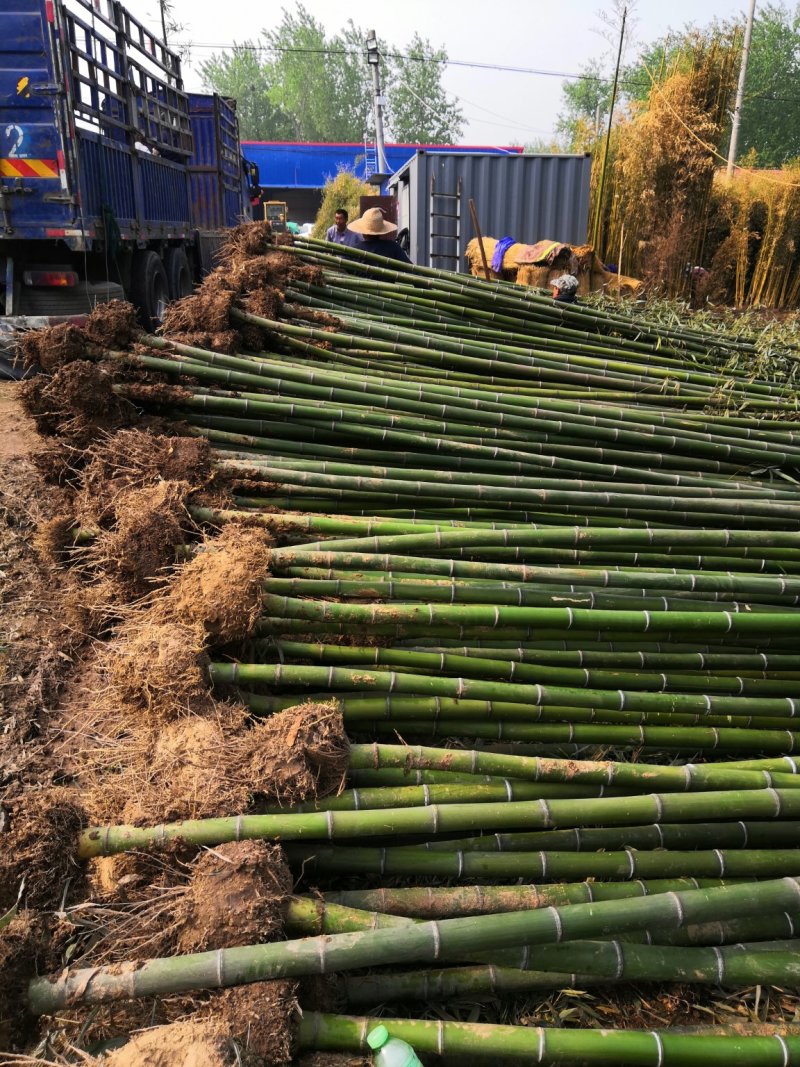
(626, 83)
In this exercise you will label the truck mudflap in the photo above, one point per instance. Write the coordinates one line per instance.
(10, 329)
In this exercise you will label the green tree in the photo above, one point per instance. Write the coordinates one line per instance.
(319, 81)
(585, 110)
(770, 123)
(299, 83)
(419, 111)
(243, 75)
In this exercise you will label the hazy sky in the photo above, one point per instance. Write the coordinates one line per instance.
(501, 107)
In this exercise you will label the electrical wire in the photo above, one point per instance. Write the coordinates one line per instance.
(627, 83)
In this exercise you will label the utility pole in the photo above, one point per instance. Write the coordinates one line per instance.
(163, 7)
(599, 209)
(374, 60)
(737, 107)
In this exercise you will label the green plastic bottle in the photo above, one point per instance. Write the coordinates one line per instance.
(391, 1051)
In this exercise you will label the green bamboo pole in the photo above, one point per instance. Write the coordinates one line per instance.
(412, 943)
(512, 670)
(511, 815)
(437, 902)
(359, 709)
(473, 1042)
(341, 678)
(654, 836)
(689, 740)
(756, 774)
(624, 865)
(585, 964)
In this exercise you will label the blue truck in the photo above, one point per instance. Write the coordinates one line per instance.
(114, 182)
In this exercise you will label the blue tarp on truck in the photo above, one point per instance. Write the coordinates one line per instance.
(113, 180)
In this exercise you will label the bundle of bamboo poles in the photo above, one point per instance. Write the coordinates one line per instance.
(535, 532)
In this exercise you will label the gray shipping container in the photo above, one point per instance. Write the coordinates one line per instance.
(530, 198)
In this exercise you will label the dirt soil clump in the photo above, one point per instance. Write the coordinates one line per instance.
(38, 857)
(150, 525)
(182, 1044)
(238, 896)
(300, 754)
(221, 586)
(159, 665)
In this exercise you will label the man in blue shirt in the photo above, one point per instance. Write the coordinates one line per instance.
(378, 235)
(339, 233)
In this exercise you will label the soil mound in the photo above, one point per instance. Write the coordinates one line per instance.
(39, 849)
(159, 665)
(183, 1044)
(150, 524)
(299, 754)
(221, 586)
(237, 896)
(261, 1020)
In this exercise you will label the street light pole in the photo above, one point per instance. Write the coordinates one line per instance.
(374, 59)
(737, 107)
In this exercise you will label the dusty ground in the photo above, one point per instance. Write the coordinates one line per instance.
(38, 643)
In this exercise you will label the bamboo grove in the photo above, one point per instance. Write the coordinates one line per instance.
(544, 561)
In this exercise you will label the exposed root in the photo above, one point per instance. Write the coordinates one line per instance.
(155, 393)
(248, 239)
(77, 403)
(212, 762)
(54, 346)
(221, 586)
(300, 754)
(265, 302)
(150, 524)
(227, 341)
(159, 666)
(131, 459)
(178, 770)
(53, 539)
(38, 853)
(113, 324)
(206, 311)
(236, 894)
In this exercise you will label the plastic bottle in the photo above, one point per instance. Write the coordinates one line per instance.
(391, 1051)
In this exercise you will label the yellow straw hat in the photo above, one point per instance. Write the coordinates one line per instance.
(372, 224)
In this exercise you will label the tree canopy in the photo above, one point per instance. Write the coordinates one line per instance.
(297, 82)
(770, 121)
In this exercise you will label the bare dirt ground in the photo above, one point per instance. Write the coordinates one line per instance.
(37, 643)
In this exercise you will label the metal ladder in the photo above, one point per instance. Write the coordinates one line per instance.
(445, 206)
(370, 159)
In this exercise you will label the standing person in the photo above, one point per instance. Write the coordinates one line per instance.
(378, 235)
(339, 234)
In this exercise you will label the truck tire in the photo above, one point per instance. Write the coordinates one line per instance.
(149, 289)
(179, 273)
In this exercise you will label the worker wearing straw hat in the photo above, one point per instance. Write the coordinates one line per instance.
(378, 235)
